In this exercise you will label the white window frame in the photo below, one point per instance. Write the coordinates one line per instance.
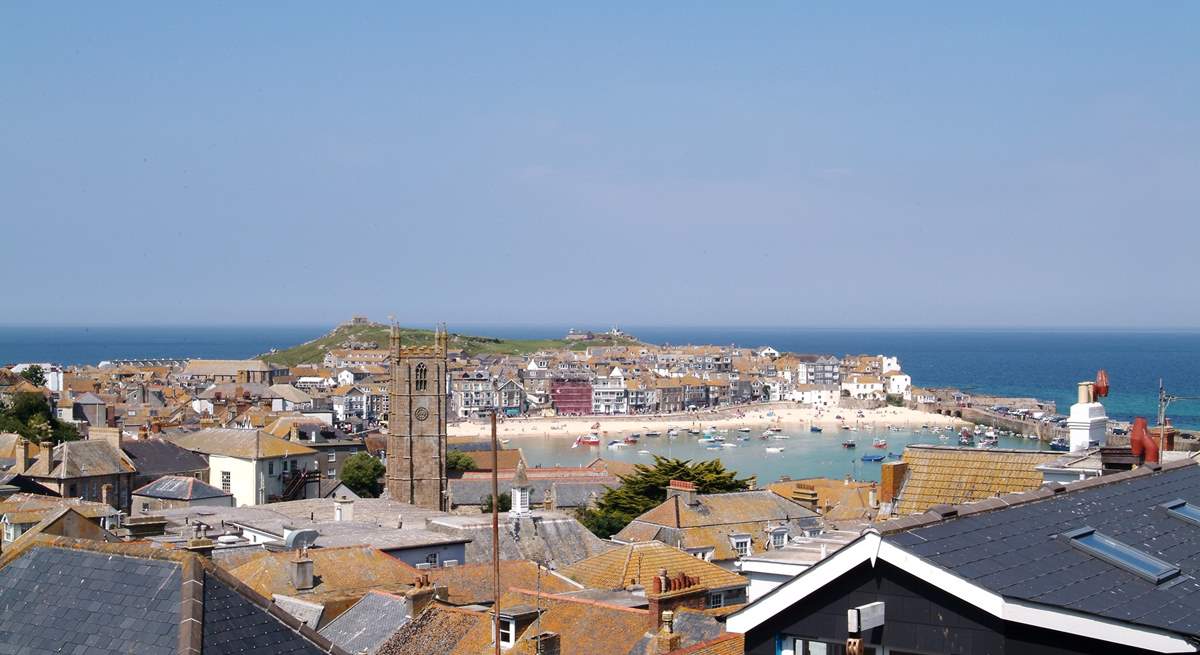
(508, 632)
(739, 543)
(716, 599)
(226, 481)
(779, 538)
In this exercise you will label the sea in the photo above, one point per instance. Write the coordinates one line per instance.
(1044, 364)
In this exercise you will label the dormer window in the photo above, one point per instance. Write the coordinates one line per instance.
(741, 545)
(779, 538)
(508, 632)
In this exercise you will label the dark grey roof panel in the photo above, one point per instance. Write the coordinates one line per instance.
(233, 624)
(366, 625)
(1019, 552)
(55, 600)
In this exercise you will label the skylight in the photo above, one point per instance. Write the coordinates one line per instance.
(1183, 510)
(1121, 555)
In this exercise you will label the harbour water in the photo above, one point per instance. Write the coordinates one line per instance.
(1043, 364)
(805, 454)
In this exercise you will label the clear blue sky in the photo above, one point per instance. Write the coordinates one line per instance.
(808, 164)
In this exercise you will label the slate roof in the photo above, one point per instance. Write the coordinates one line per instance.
(471, 584)
(79, 459)
(62, 595)
(154, 457)
(243, 444)
(712, 521)
(637, 563)
(179, 487)
(56, 599)
(1018, 551)
(366, 625)
(950, 475)
(570, 492)
(553, 539)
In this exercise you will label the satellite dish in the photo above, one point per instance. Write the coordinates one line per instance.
(301, 539)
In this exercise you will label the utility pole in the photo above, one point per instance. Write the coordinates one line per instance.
(495, 538)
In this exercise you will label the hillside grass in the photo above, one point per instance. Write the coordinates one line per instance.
(313, 352)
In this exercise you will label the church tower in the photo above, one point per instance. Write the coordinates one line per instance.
(416, 443)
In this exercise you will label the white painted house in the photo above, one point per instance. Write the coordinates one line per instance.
(899, 384)
(253, 465)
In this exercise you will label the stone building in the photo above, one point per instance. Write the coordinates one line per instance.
(416, 450)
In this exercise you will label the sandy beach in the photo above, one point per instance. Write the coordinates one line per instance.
(782, 415)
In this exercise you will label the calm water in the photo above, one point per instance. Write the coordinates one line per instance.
(805, 454)
(1042, 364)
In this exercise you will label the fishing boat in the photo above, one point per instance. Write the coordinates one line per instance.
(774, 450)
(943, 438)
(1060, 444)
(780, 435)
(879, 442)
(743, 438)
(894, 428)
(815, 429)
(743, 429)
(873, 458)
(643, 452)
(849, 443)
(592, 439)
(615, 445)
(768, 434)
(706, 439)
(632, 439)
(989, 442)
(712, 447)
(693, 431)
(729, 445)
(672, 432)
(845, 427)
(653, 434)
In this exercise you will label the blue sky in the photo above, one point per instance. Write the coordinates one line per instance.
(804, 164)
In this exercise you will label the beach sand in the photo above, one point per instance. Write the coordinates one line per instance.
(783, 415)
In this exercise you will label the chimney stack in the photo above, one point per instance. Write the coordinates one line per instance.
(1144, 447)
(106, 494)
(26, 453)
(685, 490)
(547, 643)
(300, 571)
(343, 509)
(670, 593)
(667, 639)
(421, 595)
(891, 480)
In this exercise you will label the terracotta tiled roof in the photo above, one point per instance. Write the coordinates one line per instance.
(637, 563)
(948, 475)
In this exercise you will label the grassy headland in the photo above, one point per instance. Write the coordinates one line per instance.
(313, 352)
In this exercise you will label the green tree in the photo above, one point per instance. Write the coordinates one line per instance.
(505, 503)
(361, 473)
(35, 375)
(646, 488)
(458, 461)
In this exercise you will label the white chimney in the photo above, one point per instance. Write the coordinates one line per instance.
(1087, 422)
(343, 509)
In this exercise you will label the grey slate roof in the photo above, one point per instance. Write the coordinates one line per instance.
(55, 599)
(1018, 552)
(368, 623)
(234, 625)
(572, 492)
(155, 457)
(179, 487)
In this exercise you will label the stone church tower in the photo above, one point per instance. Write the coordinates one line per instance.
(416, 443)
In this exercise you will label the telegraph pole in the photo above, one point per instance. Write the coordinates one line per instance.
(495, 537)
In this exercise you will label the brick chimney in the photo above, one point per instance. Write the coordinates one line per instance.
(671, 593)
(422, 594)
(891, 479)
(685, 490)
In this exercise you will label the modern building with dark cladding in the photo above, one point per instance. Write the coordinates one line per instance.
(1107, 565)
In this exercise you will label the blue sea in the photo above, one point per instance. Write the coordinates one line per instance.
(1045, 364)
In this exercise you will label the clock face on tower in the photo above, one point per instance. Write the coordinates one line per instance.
(421, 414)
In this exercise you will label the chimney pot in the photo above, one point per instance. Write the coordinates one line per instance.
(301, 574)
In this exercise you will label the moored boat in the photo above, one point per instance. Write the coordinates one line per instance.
(849, 443)
(873, 458)
(814, 429)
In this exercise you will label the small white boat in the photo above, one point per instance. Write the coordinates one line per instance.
(615, 445)
(729, 445)
(643, 452)
(774, 450)
(781, 436)
(743, 429)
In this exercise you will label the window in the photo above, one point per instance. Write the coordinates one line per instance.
(145, 507)
(225, 481)
(1121, 555)
(270, 468)
(71, 491)
(742, 546)
(421, 377)
(432, 559)
(1183, 510)
(508, 629)
(331, 473)
(779, 538)
(716, 599)
(332, 457)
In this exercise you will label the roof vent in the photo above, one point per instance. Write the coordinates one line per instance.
(944, 511)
